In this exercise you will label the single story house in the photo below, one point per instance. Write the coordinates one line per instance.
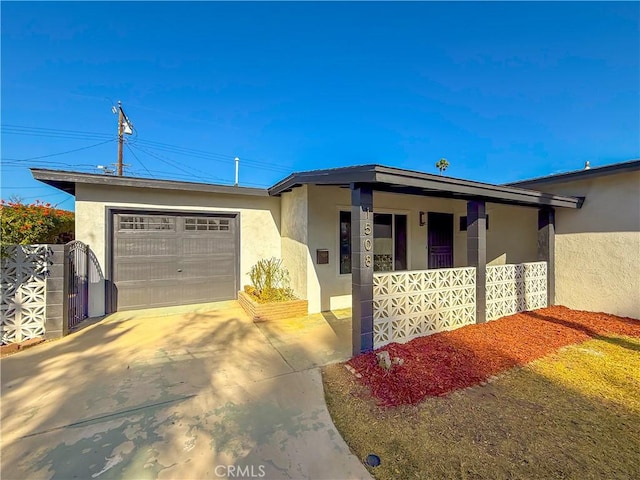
(410, 252)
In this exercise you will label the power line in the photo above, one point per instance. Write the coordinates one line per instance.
(14, 162)
(153, 145)
(217, 157)
(138, 159)
(26, 130)
(65, 130)
(174, 165)
(63, 201)
(45, 196)
(62, 137)
(192, 177)
(64, 153)
(76, 134)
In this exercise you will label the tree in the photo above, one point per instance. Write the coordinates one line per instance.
(442, 165)
(28, 224)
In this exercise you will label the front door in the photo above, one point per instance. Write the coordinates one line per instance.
(440, 240)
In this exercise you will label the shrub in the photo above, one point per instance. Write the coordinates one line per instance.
(270, 281)
(28, 224)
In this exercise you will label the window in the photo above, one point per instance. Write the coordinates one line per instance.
(208, 224)
(463, 223)
(345, 242)
(135, 222)
(389, 242)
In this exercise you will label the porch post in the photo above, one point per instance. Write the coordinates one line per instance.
(477, 253)
(361, 268)
(547, 248)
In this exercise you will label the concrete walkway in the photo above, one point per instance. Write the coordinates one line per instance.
(183, 393)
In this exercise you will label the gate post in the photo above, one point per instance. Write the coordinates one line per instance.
(68, 278)
(55, 295)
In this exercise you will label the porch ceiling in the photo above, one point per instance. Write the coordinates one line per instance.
(410, 182)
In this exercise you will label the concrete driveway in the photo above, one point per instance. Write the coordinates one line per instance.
(183, 393)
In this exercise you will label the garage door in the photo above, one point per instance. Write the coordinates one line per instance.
(162, 260)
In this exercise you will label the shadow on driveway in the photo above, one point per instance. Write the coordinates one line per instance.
(189, 394)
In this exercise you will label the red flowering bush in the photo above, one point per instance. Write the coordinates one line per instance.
(35, 223)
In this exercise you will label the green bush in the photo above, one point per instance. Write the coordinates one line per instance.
(28, 224)
(270, 281)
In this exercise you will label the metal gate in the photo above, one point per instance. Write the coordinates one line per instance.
(76, 264)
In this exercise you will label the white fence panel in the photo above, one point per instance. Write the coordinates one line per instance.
(516, 288)
(412, 304)
(22, 292)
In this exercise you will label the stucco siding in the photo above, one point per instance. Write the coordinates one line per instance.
(512, 236)
(259, 222)
(598, 246)
(295, 251)
(328, 290)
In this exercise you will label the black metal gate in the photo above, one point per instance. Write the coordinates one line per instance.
(77, 279)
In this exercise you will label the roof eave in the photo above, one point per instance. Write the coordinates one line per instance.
(594, 172)
(337, 176)
(67, 180)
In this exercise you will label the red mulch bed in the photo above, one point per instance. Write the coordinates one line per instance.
(440, 363)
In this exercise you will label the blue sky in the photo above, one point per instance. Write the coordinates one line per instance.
(504, 91)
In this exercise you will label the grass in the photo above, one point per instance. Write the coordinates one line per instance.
(572, 414)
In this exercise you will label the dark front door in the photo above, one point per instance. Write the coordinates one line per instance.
(440, 240)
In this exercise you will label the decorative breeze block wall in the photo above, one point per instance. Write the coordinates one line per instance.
(412, 304)
(516, 288)
(22, 291)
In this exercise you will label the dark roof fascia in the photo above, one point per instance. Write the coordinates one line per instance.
(66, 181)
(333, 176)
(418, 183)
(593, 172)
(464, 189)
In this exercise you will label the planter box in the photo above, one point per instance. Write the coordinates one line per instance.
(261, 312)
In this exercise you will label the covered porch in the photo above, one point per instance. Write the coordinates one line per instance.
(421, 262)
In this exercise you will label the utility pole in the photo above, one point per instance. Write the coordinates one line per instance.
(237, 163)
(120, 137)
(124, 126)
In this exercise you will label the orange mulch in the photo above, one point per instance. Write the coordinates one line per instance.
(11, 348)
(440, 363)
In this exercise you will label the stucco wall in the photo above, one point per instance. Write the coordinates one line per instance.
(512, 236)
(329, 290)
(294, 230)
(598, 246)
(259, 222)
